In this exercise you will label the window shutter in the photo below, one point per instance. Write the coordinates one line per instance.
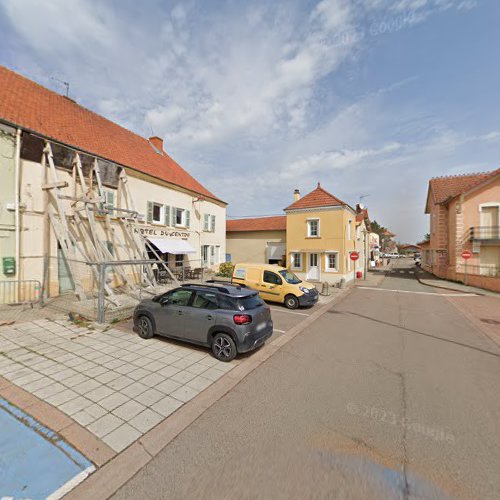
(188, 218)
(205, 222)
(173, 219)
(166, 209)
(213, 223)
(150, 212)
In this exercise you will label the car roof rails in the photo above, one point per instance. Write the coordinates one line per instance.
(230, 283)
(203, 285)
(213, 284)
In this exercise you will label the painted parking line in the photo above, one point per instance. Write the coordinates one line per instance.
(279, 331)
(34, 461)
(288, 312)
(419, 293)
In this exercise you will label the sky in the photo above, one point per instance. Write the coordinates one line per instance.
(255, 99)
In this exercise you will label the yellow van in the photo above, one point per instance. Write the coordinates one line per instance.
(276, 284)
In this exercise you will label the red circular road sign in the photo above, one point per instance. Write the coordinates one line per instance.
(466, 254)
(354, 255)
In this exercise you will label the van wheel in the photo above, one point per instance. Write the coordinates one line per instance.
(291, 302)
(145, 328)
(223, 347)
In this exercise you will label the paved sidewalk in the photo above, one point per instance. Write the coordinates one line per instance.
(483, 312)
(113, 383)
(429, 279)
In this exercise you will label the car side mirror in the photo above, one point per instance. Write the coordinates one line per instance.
(165, 301)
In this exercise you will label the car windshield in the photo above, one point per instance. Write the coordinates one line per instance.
(250, 302)
(290, 278)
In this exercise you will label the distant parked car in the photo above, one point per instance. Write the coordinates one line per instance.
(230, 319)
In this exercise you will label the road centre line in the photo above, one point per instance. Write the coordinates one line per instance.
(420, 293)
(288, 312)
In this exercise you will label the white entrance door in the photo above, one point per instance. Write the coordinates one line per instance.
(313, 267)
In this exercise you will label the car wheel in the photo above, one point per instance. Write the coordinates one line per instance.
(223, 347)
(145, 328)
(291, 302)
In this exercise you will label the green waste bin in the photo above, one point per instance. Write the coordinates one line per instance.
(9, 266)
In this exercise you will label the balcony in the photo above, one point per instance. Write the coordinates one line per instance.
(483, 233)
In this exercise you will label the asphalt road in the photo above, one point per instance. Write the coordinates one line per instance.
(388, 395)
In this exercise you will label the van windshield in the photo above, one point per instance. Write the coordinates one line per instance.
(290, 278)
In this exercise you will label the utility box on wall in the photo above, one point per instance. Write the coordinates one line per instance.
(9, 266)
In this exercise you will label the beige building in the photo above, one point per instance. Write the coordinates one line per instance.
(78, 188)
(261, 239)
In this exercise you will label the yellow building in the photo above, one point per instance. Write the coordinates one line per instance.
(320, 234)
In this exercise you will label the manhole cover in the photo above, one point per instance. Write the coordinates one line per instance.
(490, 321)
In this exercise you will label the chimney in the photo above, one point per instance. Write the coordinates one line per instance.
(296, 195)
(157, 142)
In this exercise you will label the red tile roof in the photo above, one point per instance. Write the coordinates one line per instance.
(317, 199)
(277, 223)
(32, 107)
(445, 188)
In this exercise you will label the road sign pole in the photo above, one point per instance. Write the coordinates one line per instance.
(466, 255)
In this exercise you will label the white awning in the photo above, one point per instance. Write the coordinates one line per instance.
(176, 247)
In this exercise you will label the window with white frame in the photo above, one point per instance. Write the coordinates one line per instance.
(212, 255)
(209, 223)
(204, 254)
(331, 261)
(155, 213)
(180, 217)
(313, 228)
(109, 200)
(296, 260)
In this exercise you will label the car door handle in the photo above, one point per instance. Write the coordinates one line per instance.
(179, 313)
(209, 316)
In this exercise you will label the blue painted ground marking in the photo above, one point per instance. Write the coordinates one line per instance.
(35, 462)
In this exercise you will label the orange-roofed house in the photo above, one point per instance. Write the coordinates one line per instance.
(464, 215)
(140, 197)
(320, 235)
(258, 239)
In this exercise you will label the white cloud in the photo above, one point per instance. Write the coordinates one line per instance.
(245, 89)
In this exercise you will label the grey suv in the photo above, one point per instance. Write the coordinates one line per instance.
(229, 319)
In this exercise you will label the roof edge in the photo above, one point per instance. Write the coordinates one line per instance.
(90, 153)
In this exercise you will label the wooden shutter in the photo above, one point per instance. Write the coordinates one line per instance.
(150, 212)
(213, 224)
(166, 209)
(188, 218)
(205, 222)
(173, 220)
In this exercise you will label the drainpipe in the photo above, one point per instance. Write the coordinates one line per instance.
(17, 176)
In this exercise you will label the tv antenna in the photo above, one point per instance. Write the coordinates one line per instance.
(66, 84)
(362, 197)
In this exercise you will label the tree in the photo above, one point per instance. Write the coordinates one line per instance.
(377, 228)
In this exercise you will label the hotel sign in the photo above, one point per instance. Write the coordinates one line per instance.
(156, 232)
